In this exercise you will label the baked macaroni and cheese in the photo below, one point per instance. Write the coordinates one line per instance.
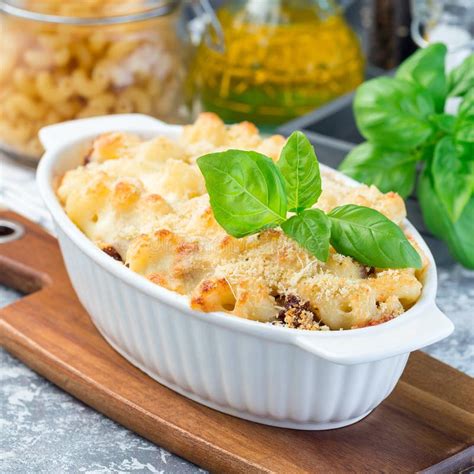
(144, 203)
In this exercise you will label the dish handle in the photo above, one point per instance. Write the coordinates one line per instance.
(59, 134)
(381, 342)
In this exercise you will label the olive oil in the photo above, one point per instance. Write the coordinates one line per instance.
(280, 59)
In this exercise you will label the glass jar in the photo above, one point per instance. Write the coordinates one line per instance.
(446, 21)
(280, 60)
(61, 60)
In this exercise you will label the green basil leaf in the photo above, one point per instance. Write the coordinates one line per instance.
(426, 152)
(371, 238)
(465, 152)
(466, 108)
(311, 229)
(431, 206)
(389, 170)
(444, 122)
(461, 78)
(458, 235)
(426, 68)
(246, 191)
(300, 169)
(392, 112)
(465, 133)
(465, 129)
(452, 178)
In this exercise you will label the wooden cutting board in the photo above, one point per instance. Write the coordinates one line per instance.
(426, 424)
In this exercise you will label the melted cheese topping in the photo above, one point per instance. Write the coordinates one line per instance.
(145, 202)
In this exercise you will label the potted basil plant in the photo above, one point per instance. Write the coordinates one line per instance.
(414, 143)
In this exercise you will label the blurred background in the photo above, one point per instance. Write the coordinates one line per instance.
(267, 61)
(282, 64)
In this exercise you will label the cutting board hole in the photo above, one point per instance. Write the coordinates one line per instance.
(5, 230)
(13, 274)
(10, 230)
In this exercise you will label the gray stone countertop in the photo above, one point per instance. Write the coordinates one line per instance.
(45, 430)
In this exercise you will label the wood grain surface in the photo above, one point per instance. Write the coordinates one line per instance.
(427, 423)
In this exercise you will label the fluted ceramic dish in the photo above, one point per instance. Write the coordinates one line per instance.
(268, 374)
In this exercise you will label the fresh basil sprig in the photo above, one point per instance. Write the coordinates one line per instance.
(395, 112)
(458, 235)
(407, 129)
(454, 188)
(370, 237)
(250, 180)
(461, 78)
(311, 228)
(249, 193)
(425, 68)
(383, 167)
(299, 166)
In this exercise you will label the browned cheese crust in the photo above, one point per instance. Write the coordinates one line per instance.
(144, 202)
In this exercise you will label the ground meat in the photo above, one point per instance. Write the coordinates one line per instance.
(296, 314)
(367, 272)
(111, 252)
(371, 272)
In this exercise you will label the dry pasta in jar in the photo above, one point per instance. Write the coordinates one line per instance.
(66, 60)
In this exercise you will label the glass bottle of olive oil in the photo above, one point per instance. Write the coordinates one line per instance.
(279, 59)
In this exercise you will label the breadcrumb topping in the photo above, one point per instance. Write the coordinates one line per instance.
(144, 203)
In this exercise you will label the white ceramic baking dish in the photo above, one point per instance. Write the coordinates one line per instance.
(268, 374)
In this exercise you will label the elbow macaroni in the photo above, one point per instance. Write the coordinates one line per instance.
(145, 201)
(55, 72)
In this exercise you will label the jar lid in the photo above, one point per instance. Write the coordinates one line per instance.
(78, 12)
